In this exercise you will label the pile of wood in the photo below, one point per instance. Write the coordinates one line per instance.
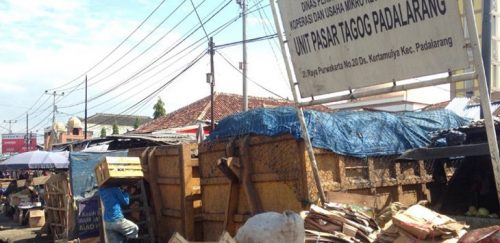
(339, 223)
(419, 224)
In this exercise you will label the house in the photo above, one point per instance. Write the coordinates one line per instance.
(125, 123)
(187, 119)
(71, 132)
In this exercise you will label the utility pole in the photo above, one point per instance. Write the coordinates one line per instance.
(486, 44)
(244, 64)
(10, 124)
(54, 107)
(85, 131)
(211, 80)
(54, 110)
(27, 137)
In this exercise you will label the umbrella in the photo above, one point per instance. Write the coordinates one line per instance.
(36, 160)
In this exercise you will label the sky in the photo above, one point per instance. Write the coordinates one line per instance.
(132, 53)
(51, 45)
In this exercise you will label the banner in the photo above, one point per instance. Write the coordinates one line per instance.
(16, 143)
(337, 45)
(88, 217)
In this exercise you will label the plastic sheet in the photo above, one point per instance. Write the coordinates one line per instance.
(352, 133)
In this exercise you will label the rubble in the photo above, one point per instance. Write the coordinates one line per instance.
(396, 223)
(338, 222)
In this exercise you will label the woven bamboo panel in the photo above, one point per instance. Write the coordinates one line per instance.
(283, 180)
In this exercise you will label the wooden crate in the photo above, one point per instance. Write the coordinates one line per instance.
(58, 205)
(174, 179)
(118, 170)
(36, 218)
(278, 177)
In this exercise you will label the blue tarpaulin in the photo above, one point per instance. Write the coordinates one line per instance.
(352, 133)
(82, 167)
(84, 186)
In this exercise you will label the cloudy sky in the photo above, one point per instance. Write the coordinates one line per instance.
(51, 45)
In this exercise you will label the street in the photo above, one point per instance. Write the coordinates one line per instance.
(12, 232)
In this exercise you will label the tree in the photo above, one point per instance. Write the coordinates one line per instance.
(115, 128)
(136, 123)
(103, 132)
(159, 109)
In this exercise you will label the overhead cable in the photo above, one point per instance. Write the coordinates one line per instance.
(112, 51)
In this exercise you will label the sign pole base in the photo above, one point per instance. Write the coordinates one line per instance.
(483, 93)
(300, 111)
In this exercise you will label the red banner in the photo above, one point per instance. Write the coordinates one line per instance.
(16, 143)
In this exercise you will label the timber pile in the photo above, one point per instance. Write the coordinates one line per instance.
(346, 223)
(419, 224)
(339, 223)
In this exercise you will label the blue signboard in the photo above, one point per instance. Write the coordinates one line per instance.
(88, 217)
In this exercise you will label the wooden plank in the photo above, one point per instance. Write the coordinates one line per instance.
(353, 198)
(153, 173)
(167, 151)
(55, 209)
(186, 187)
(176, 213)
(232, 202)
(219, 217)
(342, 176)
(214, 181)
(269, 177)
(246, 177)
(195, 162)
(241, 218)
(371, 175)
(168, 181)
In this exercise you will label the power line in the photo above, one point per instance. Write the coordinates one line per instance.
(147, 49)
(134, 47)
(45, 119)
(199, 19)
(112, 51)
(36, 102)
(151, 95)
(267, 37)
(268, 30)
(216, 31)
(151, 63)
(198, 43)
(251, 80)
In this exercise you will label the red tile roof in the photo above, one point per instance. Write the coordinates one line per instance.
(437, 106)
(225, 105)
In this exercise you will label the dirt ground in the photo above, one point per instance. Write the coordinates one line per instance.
(12, 232)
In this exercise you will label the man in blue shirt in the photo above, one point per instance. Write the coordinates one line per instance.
(117, 226)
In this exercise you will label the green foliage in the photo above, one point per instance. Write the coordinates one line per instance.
(115, 128)
(103, 132)
(136, 123)
(159, 109)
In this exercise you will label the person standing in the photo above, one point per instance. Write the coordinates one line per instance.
(117, 227)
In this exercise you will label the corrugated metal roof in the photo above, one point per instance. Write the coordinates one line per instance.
(462, 107)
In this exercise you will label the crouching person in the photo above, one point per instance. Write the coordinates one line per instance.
(117, 227)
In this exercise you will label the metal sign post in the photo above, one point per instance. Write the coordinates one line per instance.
(484, 93)
(300, 111)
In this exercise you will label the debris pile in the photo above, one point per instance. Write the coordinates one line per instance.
(339, 223)
(418, 223)
(398, 223)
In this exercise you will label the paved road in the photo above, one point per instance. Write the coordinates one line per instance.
(12, 232)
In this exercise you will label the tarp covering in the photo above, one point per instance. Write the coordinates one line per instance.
(36, 160)
(82, 167)
(353, 133)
